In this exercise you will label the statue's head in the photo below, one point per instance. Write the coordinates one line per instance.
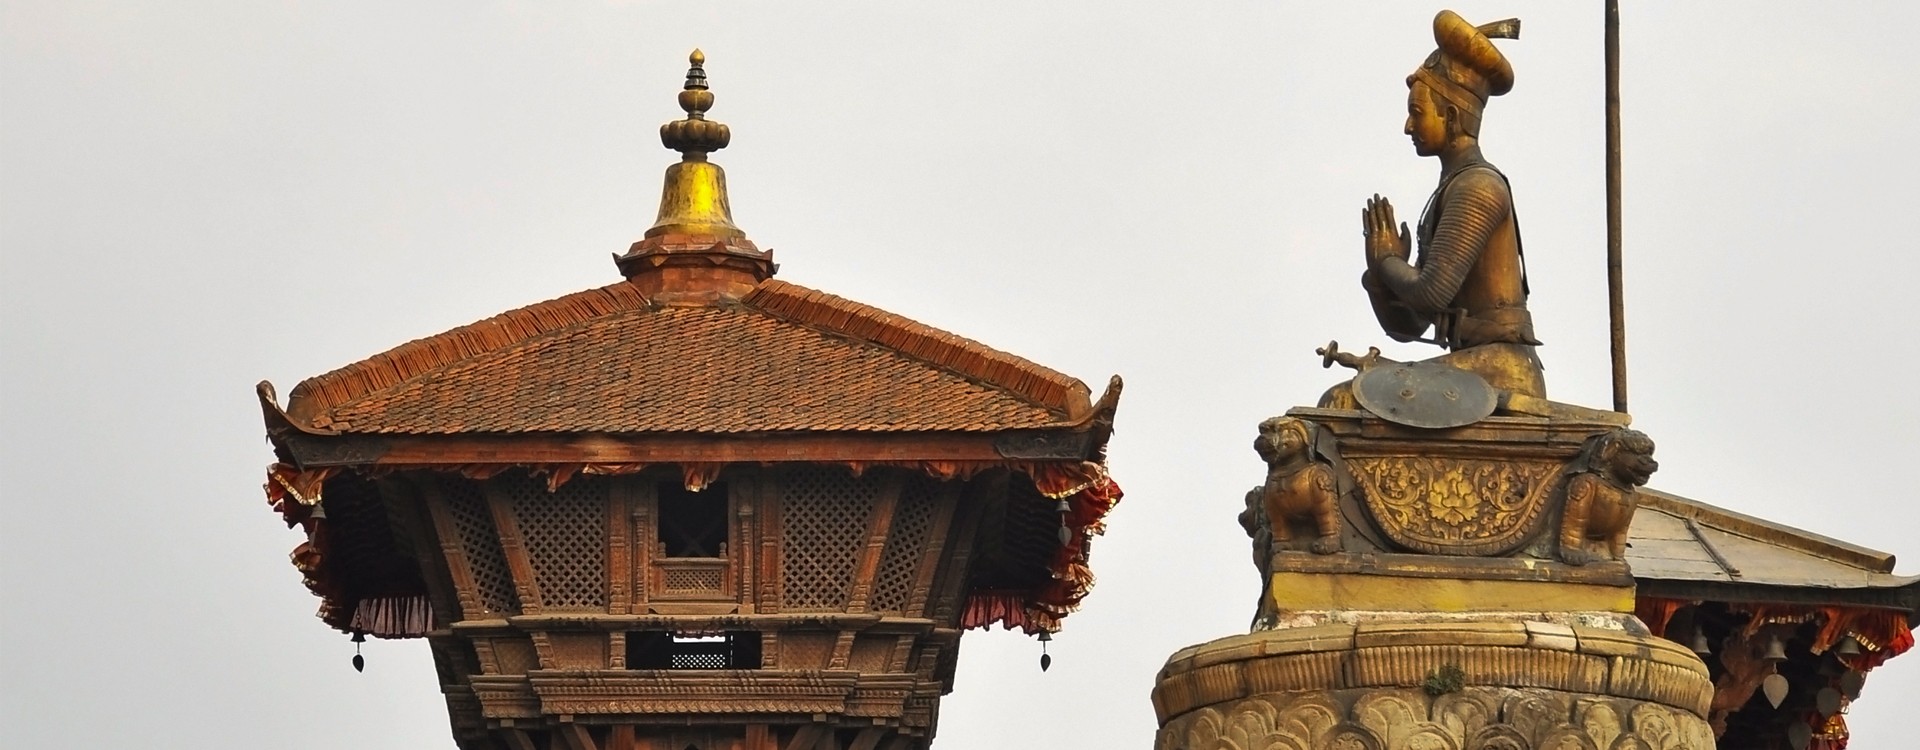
(1448, 93)
(1281, 438)
(1627, 456)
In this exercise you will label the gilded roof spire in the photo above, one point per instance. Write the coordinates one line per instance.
(693, 247)
(695, 136)
(695, 199)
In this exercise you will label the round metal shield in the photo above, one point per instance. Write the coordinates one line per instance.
(1432, 395)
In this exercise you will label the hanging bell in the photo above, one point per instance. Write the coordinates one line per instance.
(359, 662)
(1062, 506)
(1849, 646)
(1046, 660)
(1776, 651)
(1700, 645)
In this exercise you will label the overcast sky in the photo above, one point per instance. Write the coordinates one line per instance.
(197, 195)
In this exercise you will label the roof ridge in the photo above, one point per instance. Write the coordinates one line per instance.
(314, 396)
(971, 359)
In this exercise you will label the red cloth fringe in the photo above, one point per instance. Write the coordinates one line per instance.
(1881, 633)
(392, 617)
(1655, 612)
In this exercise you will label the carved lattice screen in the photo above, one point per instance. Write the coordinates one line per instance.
(479, 540)
(824, 512)
(693, 580)
(566, 539)
(906, 545)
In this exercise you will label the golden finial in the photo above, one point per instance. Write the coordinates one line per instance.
(693, 254)
(695, 135)
(694, 201)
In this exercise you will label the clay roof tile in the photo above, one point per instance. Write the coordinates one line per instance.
(784, 358)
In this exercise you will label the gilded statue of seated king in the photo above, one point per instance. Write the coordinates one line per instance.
(1469, 283)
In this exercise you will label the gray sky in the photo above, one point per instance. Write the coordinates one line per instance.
(198, 195)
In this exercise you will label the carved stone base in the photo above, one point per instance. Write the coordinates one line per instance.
(1414, 685)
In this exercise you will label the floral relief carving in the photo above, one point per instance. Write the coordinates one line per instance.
(1476, 718)
(1456, 506)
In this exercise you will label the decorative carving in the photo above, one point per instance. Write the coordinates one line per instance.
(1306, 482)
(314, 451)
(1602, 495)
(1355, 660)
(1044, 444)
(1456, 506)
(1476, 718)
(1301, 484)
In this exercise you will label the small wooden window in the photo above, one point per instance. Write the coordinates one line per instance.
(693, 524)
(655, 649)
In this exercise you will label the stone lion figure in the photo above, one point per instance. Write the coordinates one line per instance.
(1300, 486)
(1602, 493)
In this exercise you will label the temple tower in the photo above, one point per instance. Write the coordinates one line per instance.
(696, 508)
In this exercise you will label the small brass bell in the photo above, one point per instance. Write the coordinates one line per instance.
(1776, 651)
(1046, 660)
(1848, 647)
(1700, 645)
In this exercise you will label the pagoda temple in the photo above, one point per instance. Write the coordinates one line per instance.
(697, 507)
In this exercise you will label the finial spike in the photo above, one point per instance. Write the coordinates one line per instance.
(696, 71)
(695, 134)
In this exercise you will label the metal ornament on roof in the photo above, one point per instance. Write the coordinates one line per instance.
(1429, 395)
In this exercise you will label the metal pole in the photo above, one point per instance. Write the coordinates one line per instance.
(1616, 295)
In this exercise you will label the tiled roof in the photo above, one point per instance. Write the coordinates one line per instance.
(1681, 540)
(783, 358)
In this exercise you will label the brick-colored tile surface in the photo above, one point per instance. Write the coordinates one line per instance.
(785, 358)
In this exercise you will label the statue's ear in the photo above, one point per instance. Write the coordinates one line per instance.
(1456, 125)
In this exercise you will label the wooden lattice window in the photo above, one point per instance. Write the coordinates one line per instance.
(566, 540)
(480, 542)
(906, 545)
(656, 649)
(824, 514)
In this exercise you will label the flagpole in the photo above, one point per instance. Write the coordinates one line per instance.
(1616, 295)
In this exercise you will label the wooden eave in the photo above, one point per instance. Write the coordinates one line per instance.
(1083, 440)
(422, 451)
